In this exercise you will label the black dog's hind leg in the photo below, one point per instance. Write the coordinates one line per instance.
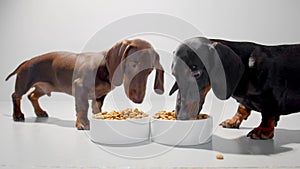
(265, 130)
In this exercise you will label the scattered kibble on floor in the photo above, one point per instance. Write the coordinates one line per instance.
(219, 156)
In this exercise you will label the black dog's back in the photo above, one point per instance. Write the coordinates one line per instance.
(285, 76)
(271, 78)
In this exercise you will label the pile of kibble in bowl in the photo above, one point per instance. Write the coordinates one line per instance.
(165, 115)
(122, 115)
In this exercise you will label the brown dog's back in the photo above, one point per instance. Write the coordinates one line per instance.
(55, 68)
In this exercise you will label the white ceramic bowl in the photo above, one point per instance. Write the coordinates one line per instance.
(120, 131)
(181, 132)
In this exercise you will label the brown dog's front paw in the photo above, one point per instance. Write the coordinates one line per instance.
(18, 117)
(82, 125)
(231, 123)
(41, 114)
(261, 133)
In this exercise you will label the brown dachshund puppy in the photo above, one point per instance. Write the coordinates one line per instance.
(88, 76)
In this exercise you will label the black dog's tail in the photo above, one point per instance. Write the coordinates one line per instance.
(15, 71)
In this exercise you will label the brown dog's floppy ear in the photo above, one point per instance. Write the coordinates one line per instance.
(114, 64)
(159, 76)
(174, 88)
(224, 61)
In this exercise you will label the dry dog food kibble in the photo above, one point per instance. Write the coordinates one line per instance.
(202, 116)
(164, 115)
(123, 115)
(219, 156)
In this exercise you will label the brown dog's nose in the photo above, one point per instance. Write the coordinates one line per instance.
(135, 97)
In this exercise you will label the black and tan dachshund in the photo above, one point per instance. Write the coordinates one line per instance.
(261, 78)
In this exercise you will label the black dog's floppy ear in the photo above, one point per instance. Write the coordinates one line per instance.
(159, 76)
(174, 88)
(224, 66)
(114, 58)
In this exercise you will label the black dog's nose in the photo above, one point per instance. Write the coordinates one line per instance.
(182, 116)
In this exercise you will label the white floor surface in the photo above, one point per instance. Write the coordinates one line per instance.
(54, 142)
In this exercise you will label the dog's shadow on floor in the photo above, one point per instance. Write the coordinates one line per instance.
(247, 146)
(51, 121)
(240, 145)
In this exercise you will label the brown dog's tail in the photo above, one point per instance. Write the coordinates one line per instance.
(15, 71)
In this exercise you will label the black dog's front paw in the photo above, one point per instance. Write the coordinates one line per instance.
(261, 133)
(231, 123)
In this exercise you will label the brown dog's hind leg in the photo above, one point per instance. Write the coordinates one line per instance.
(41, 88)
(33, 97)
(235, 122)
(265, 130)
(17, 114)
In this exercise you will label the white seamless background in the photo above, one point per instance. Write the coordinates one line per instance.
(33, 27)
